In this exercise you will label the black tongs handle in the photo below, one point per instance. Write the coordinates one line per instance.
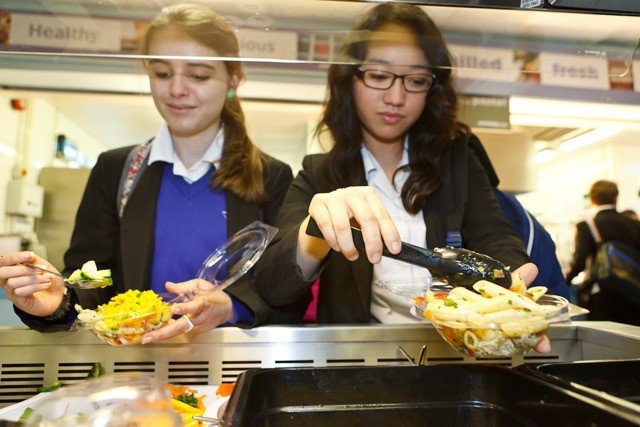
(408, 253)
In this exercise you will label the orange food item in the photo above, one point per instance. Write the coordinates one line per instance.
(225, 389)
(177, 390)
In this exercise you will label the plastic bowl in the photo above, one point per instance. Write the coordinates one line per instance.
(128, 316)
(115, 400)
(498, 334)
(411, 288)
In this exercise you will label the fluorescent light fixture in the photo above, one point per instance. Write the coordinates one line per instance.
(544, 155)
(589, 138)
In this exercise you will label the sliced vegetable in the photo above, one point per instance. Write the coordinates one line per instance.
(89, 271)
(56, 385)
(182, 390)
(96, 370)
(27, 412)
(225, 389)
(188, 398)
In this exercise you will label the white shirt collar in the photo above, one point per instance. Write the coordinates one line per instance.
(371, 165)
(600, 208)
(162, 151)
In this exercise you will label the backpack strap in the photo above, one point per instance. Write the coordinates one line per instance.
(136, 162)
(594, 230)
(531, 231)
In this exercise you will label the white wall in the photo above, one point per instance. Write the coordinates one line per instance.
(561, 200)
(28, 141)
(8, 141)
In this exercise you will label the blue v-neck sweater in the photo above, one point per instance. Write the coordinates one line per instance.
(190, 224)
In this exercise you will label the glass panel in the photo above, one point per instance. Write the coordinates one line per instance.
(308, 33)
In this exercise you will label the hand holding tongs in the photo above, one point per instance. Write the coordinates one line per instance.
(453, 266)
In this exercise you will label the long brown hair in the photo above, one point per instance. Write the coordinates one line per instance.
(240, 170)
(430, 136)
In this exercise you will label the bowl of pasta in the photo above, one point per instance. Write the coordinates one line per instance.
(128, 316)
(492, 321)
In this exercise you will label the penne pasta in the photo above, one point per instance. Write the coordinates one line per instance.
(535, 292)
(494, 322)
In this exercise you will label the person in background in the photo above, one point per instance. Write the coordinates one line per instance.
(204, 180)
(611, 225)
(631, 214)
(540, 246)
(397, 158)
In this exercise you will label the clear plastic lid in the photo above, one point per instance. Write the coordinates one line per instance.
(236, 256)
(114, 400)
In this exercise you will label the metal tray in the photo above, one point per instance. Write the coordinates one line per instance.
(456, 395)
(620, 378)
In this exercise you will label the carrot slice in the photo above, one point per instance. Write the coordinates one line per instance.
(225, 389)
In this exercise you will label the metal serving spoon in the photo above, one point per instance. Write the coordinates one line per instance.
(76, 284)
(453, 266)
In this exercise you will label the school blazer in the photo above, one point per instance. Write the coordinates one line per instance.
(126, 244)
(345, 286)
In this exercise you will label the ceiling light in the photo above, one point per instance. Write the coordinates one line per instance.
(544, 155)
(589, 138)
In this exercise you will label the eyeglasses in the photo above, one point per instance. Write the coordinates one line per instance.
(378, 79)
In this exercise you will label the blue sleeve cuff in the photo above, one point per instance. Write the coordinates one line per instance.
(241, 313)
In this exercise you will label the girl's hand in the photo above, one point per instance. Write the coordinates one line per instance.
(208, 309)
(32, 291)
(337, 211)
(528, 272)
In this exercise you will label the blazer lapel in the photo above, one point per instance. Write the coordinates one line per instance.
(137, 227)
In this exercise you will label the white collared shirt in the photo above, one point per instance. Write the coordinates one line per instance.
(600, 208)
(162, 151)
(387, 307)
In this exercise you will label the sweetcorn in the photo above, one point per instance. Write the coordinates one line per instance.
(126, 317)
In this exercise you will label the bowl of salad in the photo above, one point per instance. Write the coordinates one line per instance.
(492, 321)
(128, 316)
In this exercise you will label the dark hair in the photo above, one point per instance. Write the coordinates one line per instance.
(240, 170)
(604, 193)
(429, 137)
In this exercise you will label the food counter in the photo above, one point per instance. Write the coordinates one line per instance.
(30, 359)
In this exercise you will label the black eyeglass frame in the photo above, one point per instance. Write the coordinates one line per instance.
(360, 73)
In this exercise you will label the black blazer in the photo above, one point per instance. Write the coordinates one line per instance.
(611, 225)
(126, 244)
(345, 287)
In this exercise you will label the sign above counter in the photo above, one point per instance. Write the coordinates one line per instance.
(487, 62)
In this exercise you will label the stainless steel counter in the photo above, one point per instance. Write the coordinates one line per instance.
(29, 359)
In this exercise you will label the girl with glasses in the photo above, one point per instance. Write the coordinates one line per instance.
(398, 156)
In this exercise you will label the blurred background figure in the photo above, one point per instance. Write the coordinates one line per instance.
(610, 225)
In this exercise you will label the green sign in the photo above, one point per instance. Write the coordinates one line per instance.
(480, 111)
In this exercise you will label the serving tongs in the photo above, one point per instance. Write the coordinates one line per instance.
(453, 266)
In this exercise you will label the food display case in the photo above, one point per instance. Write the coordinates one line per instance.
(30, 359)
(289, 44)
